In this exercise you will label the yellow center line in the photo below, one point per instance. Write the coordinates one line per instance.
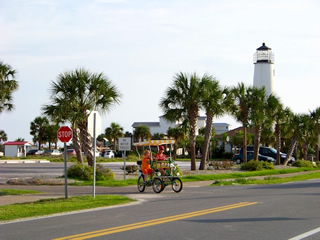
(143, 224)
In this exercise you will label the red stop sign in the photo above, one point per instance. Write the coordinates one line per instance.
(64, 134)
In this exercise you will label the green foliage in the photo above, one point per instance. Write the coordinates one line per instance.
(267, 165)
(303, 163)
(177, 171)
(256, 166)
(84, 172)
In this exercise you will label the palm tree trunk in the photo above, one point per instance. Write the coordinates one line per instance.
(86, 141)
(258, 130)
(278, 143)
(193, 123)
(205, 148)
(175, 149)
(244, 144)
(291, 149)
(305, 150)
(76, 144)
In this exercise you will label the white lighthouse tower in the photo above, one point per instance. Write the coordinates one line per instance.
(264, 72)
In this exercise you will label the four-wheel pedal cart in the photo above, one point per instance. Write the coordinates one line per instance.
(163, 173)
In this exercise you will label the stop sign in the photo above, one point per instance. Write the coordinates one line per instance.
(64, 134)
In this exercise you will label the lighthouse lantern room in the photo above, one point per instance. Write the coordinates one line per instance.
(264, 72)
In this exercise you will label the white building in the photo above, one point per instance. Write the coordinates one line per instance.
(16, 149)
(163, 125)
(264, 72)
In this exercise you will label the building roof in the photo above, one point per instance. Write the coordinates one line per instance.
(221, 124)
(149, 124)
(17, 143)
(233, 132)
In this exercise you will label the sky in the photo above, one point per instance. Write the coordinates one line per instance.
(140, 45)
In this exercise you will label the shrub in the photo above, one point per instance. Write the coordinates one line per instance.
(267, 165)
(303, 163)
(84, 172)
(252, 165)
(103, 173)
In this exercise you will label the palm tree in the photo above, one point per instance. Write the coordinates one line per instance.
(295, 127)
(257, 115)
(280, 117)
(158, 136)
(215, 101)
(76, 94)
(19, 140)
(3, 136)
(309, 133)
(51, 134)
(38, 129)
(177, 134)
(316, 118)
(8, 84)
(113, 133)
(141, 132)
(182, 101)
(240, 110)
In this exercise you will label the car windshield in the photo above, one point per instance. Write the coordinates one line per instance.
(273, 150)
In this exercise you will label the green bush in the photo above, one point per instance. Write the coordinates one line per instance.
(303, 163)
(252, 165)
(267, 165)
(84, 172)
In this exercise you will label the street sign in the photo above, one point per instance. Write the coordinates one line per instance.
(91, 123)
(124, 144)
(64, 134)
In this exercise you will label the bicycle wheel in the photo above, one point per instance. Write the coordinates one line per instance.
(141, 184)
(176, 184)
(157, 185)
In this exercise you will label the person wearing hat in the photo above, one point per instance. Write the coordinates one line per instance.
(160, 156)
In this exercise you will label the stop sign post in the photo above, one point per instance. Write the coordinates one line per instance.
(64, 134)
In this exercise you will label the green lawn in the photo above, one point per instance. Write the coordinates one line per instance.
(4, 192)
(52, 206)
(267, 180)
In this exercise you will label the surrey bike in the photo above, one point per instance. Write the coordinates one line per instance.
(168, 175)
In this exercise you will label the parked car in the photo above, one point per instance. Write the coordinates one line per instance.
(71, 151)
(35, 152)
(109, 154)
(271, 152)
(56, 152)
(238, 158)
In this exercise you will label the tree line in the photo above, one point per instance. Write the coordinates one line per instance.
(76, 93)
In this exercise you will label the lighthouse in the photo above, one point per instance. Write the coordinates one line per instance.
(264, 72)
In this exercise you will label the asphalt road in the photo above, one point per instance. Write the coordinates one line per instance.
(261, 212)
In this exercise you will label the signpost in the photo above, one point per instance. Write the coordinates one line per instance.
(124, 145)
(64, 134)
(94, 126)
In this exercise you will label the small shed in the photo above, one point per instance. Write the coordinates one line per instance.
(16, 149)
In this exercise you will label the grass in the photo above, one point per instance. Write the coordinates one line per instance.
(209, 177)
(4, 192)
(52, 206)
(202, 177)
(268, 180)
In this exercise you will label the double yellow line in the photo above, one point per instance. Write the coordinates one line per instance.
(157, 221)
